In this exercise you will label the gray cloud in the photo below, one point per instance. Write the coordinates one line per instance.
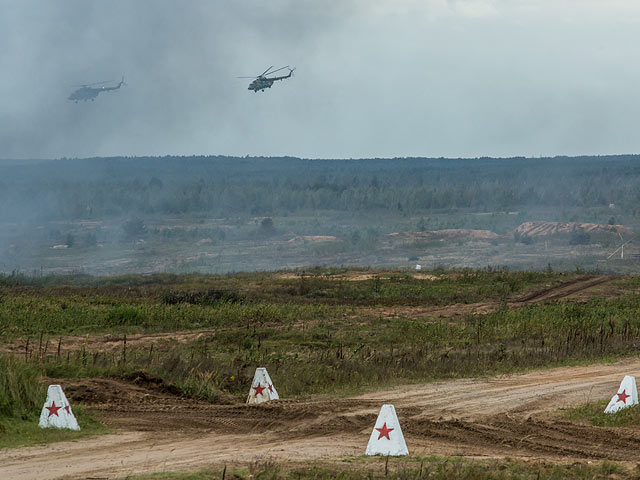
(374, 78)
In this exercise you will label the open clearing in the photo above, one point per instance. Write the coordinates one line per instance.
(507, 416)
(493, 417)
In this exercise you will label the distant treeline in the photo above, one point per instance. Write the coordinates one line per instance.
(69, 189)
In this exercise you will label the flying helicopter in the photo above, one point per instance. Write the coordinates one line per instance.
(262, 82)
(91, 91)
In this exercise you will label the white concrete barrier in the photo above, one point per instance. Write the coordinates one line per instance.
(627, 395)
(57, 412)
(386, 437)
(262, 389)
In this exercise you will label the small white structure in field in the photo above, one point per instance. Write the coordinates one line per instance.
(262, 389)
(418, 267)
(627, 395)
(386, 437)
(57, 412)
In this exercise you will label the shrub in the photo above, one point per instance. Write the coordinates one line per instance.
(134, 227)
(123, 315)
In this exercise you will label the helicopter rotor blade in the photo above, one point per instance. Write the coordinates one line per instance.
(268, 72)
(278, 70)
(265, 72)
(91, 84)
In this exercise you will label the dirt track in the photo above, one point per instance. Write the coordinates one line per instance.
(579, 289)
(571, 289)
(493, 417)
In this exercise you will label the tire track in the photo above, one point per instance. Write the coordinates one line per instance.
(562, 291)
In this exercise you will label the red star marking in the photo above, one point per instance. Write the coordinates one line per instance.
(384, 431)
(68, 409)
(53, 410)
(622, 397)
(271, 388)
(259, 389)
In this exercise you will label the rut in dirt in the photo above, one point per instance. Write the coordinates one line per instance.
(563, 290)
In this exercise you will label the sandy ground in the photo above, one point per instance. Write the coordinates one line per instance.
(506, 416)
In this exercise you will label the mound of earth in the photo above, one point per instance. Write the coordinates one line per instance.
(312, 238)
(458, 234)
(137, 387)
(541, 229)
(526, 229)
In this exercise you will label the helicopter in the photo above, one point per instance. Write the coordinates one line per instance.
(90, 91)
(262, 82)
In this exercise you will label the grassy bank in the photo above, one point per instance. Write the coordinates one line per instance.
(19, 432)
(22, 396)
(593, 413)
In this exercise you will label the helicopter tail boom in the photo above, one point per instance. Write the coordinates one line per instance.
(283, 77)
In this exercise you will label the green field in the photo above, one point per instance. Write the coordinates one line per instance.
(320, 332)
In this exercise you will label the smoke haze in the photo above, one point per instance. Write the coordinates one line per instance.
(379, 78)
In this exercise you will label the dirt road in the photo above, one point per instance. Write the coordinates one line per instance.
(493, 417)
(579, 289)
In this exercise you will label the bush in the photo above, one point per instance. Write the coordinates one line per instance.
(210, 297)
(520, 238)
(267, 228)
(579, 237)
(123, 315)
(134, 228)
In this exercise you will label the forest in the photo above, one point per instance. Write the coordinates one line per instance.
(226, 214)
(72, 189)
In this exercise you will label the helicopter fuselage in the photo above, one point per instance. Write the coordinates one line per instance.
(86, 93)
(261, 83)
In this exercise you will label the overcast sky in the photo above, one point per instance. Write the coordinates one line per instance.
(374, 78)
